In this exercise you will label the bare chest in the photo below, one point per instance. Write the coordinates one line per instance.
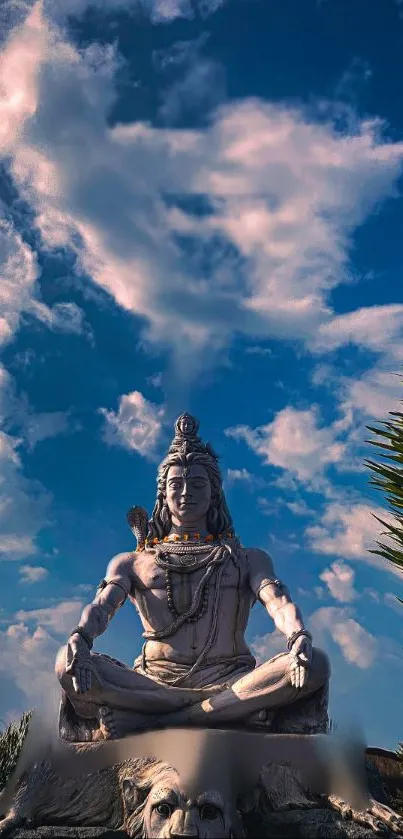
(149, 576)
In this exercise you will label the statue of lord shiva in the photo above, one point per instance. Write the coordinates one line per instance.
(193, 585)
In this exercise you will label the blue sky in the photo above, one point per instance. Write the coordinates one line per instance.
(200, 209)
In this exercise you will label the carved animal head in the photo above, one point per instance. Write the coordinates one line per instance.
(157, 805)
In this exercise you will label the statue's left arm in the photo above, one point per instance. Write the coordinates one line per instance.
(276, 599)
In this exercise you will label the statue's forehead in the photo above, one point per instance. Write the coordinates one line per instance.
(194, 470)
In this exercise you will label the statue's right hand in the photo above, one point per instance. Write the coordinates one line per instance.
(79, 664)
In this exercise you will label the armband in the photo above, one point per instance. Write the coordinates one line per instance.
(87, 638)
(277, 583)
(302, 632)
(104, 583)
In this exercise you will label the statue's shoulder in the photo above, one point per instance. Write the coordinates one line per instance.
(122, 564)
(256, 558)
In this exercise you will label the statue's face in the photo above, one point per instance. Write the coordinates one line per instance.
(188, 494)
(170, 812)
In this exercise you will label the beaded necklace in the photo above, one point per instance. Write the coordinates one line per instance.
(215, 561)
(184, 559)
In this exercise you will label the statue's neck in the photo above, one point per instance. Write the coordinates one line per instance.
(192, 531)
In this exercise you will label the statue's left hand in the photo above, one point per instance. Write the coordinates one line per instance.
(79, 664)
(300, 660)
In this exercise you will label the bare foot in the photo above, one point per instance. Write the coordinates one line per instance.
(261, 720)
(378, 817)
(115, 723)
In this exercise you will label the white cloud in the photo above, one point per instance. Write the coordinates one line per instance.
(357, 645)
(61, 619)
(361, 399)
(293, 441)
(257, 350)
(18, 275)
(19, 291)
(266, 646)
(285, 192)
(239, 476)
(159, 11)
(376, 328)
(391, 600)
(339, 579)
(39, 427)
(33, 573)
(198, 82)
(23, 504)
(368, 397)
(208, 7)
(27, 660)
(164, 11)
(65, 317)
(299, 508)
(348, 531)
(137, 424)
(372, 594)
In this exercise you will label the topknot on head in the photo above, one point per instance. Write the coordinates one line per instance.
(186, 439)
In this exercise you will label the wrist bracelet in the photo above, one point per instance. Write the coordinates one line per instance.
(296, 635)
(80, 631)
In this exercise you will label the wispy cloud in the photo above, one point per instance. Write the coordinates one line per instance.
(235, 476)
(28, 647)
(376, 328)
(392, 601)
(159, 11)
(283, 193)
(23, 504)
(348, 531)
(193, 83)
(294, 441)
(339, 579)
(19, 272)
(33, 573)
(357, 645)
(60, 618)
(266, 646)
(136, 425)
(27, 661)
(39, 427)
(257, 350)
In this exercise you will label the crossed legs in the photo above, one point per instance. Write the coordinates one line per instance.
(126, 701)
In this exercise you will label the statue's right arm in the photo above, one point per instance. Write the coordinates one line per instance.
(110, 596)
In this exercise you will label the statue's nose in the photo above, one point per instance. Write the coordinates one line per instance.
(184, 826)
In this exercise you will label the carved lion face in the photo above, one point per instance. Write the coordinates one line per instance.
(164, 811)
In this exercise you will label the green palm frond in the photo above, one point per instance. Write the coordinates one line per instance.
(11, 741)
(387, 476)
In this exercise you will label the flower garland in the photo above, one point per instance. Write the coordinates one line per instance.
(196, 537)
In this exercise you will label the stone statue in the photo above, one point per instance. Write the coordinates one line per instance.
(199, 783)
(193, 585)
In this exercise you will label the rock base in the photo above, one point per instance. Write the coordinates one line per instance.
(293, 824)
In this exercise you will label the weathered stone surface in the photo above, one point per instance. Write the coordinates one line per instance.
(60, 832)
(305, 716)
(293, 824)
(306, 824)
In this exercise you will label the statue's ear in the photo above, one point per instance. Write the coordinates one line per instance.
(132, 796)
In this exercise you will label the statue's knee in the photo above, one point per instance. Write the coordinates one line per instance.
(61, 664)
